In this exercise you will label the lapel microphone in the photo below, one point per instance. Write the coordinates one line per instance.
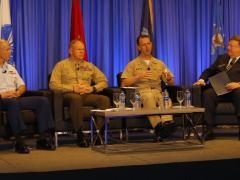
(148, 69)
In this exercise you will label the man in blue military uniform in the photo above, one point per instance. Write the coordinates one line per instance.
(11, 88)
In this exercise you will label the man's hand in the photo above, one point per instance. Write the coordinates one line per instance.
(232, 85)
(82, 88)
(10, 94)
(86, 89)
(166, 75)
(200, 82)
(144, 75)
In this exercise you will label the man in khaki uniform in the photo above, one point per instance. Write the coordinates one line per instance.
(146, 73)
(75, 77)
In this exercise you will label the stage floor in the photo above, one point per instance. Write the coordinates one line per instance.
(71, 157)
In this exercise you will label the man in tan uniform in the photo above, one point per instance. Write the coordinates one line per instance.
(146, 73)
(75, 77)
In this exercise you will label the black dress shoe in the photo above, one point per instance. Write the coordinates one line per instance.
(169, 127)
(81, 141)
(158, 133)
(21, 148)
(158, 139)
(164, 130)
(43, 144)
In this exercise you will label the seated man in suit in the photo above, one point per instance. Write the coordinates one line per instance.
(146, 73)
(230, 63)
(11, 89)
(74, 77)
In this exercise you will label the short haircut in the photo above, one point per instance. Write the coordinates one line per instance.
(74, 41)
(235, 38)
(142, 36)
(2, 42)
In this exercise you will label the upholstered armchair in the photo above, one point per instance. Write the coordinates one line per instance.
(225, 110)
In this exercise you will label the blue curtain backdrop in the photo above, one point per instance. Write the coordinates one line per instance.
(183, 30)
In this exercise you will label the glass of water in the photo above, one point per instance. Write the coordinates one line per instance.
(180, 97)
(116, 99)
(133, 99)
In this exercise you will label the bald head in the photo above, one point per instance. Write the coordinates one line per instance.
(3, 42)
(5, 51)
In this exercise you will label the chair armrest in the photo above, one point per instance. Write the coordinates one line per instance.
(37, 93)
(43, 92)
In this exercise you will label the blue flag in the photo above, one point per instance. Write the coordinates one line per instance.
(5, 24)
(147, 19)
(217, 46)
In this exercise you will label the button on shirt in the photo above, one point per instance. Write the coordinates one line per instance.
(9, 78)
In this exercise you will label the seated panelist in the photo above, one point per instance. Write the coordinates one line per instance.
(11, 88)
(230, 63)
(79, 80)
(146, 72)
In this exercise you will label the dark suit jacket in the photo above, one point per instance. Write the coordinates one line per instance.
(220, 65)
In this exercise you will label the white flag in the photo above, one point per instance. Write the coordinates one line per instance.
(5, 20)
(5, 23)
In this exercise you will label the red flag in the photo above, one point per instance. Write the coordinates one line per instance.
(77, 30)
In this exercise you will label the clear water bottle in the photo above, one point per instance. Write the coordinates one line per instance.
(138, 103)
(122, 101)
(165, 99)
(187, 98)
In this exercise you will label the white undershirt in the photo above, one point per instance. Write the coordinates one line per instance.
(147, 61)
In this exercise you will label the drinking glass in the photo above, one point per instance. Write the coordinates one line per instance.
(116, 99)
(180, 97)
(133, 99)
